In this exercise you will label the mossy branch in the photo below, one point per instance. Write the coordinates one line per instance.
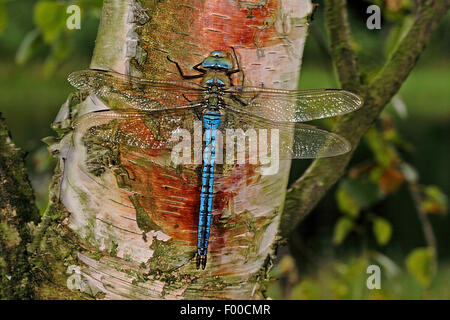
(307, 191)
(17, 208)
(342, 45)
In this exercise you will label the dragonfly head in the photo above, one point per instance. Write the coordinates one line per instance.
(217, 60)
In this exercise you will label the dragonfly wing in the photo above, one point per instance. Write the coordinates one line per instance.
(138, 130)
(295, 140)
(293, 105)
(143, 94)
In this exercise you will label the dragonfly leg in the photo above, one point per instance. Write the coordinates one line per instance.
(239, 69)
(197, 68)
(198, 113)
(239, 100)
(196, 76)
(229, 73)
(233, 71)
(242, 102)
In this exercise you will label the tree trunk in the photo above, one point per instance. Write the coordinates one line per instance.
(17, 209)
(126, 223)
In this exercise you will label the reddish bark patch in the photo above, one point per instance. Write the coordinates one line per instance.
(227, 187)
(170, 200)
(220, 24)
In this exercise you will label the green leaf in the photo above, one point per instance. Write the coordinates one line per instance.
(50, 17)
(382, 151)
(363, 191)
(29, 46)
(435, 201)
(382, 230)
(421, 264)
(342, 229)
(346, 203)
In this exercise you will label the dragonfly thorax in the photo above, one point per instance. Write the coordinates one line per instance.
(214, 85)
(218, 79)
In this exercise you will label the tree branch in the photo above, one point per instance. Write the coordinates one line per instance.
(307, 191)
(17, 208)
(427, 228)
(342, 43)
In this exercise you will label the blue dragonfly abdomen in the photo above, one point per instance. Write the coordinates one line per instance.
(211, 123)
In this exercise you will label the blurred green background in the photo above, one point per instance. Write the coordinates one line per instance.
(314, 265)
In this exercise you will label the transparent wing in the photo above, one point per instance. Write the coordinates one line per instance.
(293, 105)
(295, 140)
(143, 94)
(147, 132)
(137, 130)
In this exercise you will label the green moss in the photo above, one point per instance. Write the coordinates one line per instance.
(54, 247)
(263, 278)
(168, 255)
(17, 208)
(96, 255)
(114, 249)
(101, 153)
(57, 250)
(9, 235)
(142, 218)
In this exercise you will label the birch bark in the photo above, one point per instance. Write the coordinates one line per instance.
(138, 239)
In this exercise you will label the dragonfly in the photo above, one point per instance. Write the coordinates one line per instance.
(220, 105)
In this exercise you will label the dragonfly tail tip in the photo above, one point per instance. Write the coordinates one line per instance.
(204, 262)
(201, 261)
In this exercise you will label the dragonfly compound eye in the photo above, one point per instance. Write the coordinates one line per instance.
(218, 54)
